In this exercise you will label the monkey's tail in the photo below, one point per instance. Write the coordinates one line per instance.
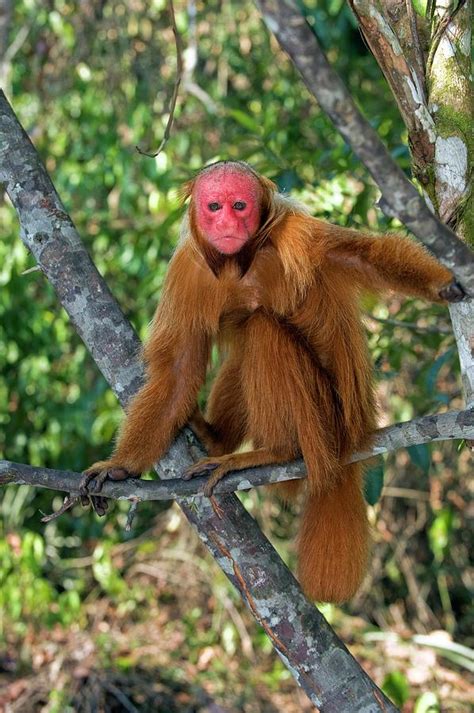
(333, 543)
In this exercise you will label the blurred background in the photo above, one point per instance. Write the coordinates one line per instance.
(94, 618)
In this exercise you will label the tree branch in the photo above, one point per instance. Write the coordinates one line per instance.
(319, 661)
(174, 97)
(392, 36)
(444, 426)
(399, 196)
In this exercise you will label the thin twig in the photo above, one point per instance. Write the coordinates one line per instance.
(131, 513)
(119, 696)
(30, 270)
(17, 44)
(179, 76)
(407, 493)
(69, 502)
(409, 325)
(439, 32)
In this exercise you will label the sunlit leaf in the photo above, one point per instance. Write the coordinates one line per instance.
(420, 7)
(427, 703)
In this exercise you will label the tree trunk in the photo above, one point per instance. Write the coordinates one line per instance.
(424, 52)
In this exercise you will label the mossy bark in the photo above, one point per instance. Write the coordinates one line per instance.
(450, 102)
(425, 57)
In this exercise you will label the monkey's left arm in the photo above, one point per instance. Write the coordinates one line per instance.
(389, 262)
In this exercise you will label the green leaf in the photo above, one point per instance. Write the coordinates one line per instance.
(245, 120)
(420, 7)
(373, 484)
(440, 532)
(420, 456)
(396, 687)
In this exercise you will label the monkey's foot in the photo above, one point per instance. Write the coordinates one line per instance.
(452, 292)
(218, 467)
(96, 476)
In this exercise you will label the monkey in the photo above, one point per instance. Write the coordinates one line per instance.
(278, 291)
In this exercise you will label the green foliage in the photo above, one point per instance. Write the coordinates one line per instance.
(396, 686)
(27, 596)
(420, 7)
(105, 573)
(90, 82)
(439, 533)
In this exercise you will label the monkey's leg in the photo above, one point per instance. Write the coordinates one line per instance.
(218, 467)
(205, 433)
(223, 428)
(226, 411)
(289, 400)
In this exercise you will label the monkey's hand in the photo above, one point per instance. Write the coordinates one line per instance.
(93, 479)
(452, 292)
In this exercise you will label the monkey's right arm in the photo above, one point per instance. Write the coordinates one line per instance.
(176, 356)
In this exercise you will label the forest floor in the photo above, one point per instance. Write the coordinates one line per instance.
(170, 636)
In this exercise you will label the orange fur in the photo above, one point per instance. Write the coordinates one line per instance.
(296, 376)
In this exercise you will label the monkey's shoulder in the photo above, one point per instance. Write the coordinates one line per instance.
(302, 241)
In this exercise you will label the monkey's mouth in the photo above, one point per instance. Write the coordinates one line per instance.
(229, 244)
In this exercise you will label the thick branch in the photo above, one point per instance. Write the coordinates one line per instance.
(439, 129)
(319, 661)
(399, 197)
(391, 33)
(445, 426)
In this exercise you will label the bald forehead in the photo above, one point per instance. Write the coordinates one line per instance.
(221, 179)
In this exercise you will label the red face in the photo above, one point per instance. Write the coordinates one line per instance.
(227, 208)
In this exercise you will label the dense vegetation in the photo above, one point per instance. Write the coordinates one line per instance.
(91, 81)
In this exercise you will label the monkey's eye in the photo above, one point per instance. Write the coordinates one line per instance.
(239, 205)
(213, 207)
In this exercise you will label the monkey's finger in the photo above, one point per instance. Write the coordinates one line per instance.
(200, 468)
(99, 504)
(92, 482)
(87, 476)
(452, 292)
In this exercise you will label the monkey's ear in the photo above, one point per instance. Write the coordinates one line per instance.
(186, 190)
